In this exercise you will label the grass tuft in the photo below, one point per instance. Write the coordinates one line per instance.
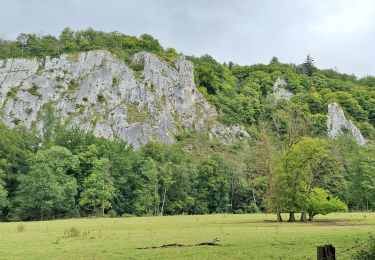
(72, 232)
(20, 228)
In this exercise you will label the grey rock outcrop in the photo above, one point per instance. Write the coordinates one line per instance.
(336, 122)
(279, 90)
(99, 93)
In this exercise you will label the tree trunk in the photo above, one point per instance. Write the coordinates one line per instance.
(311, 216)
(291, 217)
(255, 201)
(157, 202)
(279, 218)
(102, 211)
(303, 217)
(162, 205)
(231, 195)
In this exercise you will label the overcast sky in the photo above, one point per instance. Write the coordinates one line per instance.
(337, 33)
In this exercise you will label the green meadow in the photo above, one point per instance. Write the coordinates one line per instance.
(247, 236)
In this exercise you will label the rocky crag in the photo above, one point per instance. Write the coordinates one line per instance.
(95, 91)
(336, 122)
(279, 90)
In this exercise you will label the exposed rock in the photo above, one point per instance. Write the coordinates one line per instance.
(337, 122)
(99, 93)
(279, 90)
(228, 135)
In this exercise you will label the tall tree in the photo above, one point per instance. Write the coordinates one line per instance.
(309, 66)
(361, 177)
(307, 164)
(212, 186)
(47, 190)
(98, 188)
(3, 191)
(147, 200)
(263, 168)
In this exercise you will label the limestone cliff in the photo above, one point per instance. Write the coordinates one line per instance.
(97, 92)
(279, 90)
(336, 122)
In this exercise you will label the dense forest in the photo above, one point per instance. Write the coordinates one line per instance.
(287, 165)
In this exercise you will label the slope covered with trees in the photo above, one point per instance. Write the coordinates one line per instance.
(286, 166)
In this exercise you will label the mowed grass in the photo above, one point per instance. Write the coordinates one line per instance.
(241, 237)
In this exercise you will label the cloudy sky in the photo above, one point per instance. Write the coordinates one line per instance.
(337, 33)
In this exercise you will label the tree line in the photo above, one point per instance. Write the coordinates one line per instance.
(78, 174)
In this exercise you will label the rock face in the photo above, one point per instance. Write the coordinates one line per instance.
(337, 122)
(279, 90)
(99, 93)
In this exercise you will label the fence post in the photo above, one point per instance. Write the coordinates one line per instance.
(326, 252)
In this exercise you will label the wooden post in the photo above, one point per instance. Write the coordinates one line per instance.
(326, 252)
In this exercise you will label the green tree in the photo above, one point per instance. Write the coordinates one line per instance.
(274, 60)
(3, 191)
(47, 190)
(98, 188)
(291, 192)
(308, 164)
(308, 66)
(263, 169)
(147, 193)
(212, 187)
(361, 179)
(322, 202)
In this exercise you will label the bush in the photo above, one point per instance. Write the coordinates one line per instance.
(33, 90)
(100, 98)
(253, 208)
(73, 86)
(112, 214)
(365, 251)
(115, 81)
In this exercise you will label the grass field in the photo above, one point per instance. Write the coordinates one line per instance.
(241, 237)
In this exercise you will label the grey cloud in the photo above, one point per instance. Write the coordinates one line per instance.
(336, 33)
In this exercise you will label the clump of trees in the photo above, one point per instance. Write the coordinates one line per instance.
(69, 41)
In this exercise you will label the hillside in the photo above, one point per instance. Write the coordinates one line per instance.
(240, 93)
(119, 125)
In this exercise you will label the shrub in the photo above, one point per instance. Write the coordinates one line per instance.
(100, 98)
(28, 110)
(16, 121)
(58, 87)
(253, 208)
(12, 93)
(73, 86)
(365, 251)
(115, 81)
(59, 78)
(34, 90)
(113, 214)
